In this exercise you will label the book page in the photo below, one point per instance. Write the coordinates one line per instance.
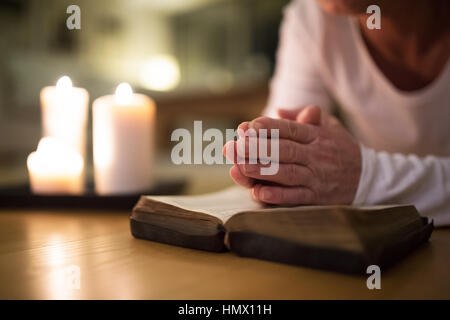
(222, 204)
(228, 202)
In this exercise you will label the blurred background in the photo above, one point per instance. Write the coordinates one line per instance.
(204, 60)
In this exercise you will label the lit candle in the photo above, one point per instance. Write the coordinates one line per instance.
(123, 127)
(55, 168)
(64, 114)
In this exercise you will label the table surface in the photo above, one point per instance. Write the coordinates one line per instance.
(38, 249)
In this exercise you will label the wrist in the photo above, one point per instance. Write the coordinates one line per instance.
(368, 159)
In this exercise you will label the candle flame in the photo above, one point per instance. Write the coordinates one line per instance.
(124, 93)
(54, 158)
(64, 83)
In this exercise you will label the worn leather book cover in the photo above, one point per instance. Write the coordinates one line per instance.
(339, 238)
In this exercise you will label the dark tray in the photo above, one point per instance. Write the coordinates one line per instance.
(20, 196)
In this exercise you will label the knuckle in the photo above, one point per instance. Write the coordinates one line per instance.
(291, 174)
(283, 198)
(277, 196)
(312, 133)
(269, 194)
(312, 179)
(312, 196)
(292, 129)
(263, 122)
(247, 169)
(301, 196)
(305, 158)
(291, 153)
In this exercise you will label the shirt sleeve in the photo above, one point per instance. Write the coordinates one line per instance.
(297, 81)
(406, 179)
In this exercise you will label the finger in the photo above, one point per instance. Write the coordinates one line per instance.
(283, 195)
(253, 192)
(244, 130)
(228, 151)
(310, 115)
(241, 179)
(289, 114)
(231, 152)
(288, 129)
(288, 151)
(287, 174)
(243, 126)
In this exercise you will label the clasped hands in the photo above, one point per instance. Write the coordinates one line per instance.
(319, 160)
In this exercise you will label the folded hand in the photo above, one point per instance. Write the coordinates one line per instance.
(319, 161)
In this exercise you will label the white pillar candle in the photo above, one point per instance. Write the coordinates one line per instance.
(55, 168)
(64, 114)
(123, 126)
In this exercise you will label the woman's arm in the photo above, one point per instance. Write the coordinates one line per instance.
(321, 163)
(402, 179)
(297, 81)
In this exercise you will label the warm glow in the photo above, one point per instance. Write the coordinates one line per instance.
(64, 83)
(160, 73)
(64, 110)
(124, 94)
(53, 158)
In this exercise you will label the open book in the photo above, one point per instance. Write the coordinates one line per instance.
(340, 238)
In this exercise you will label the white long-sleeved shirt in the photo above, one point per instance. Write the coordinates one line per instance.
(405, 136)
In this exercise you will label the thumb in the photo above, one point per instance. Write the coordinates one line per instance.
(289, 114)
(310, 115)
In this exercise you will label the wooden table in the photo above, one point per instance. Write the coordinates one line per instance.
(38, 248)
